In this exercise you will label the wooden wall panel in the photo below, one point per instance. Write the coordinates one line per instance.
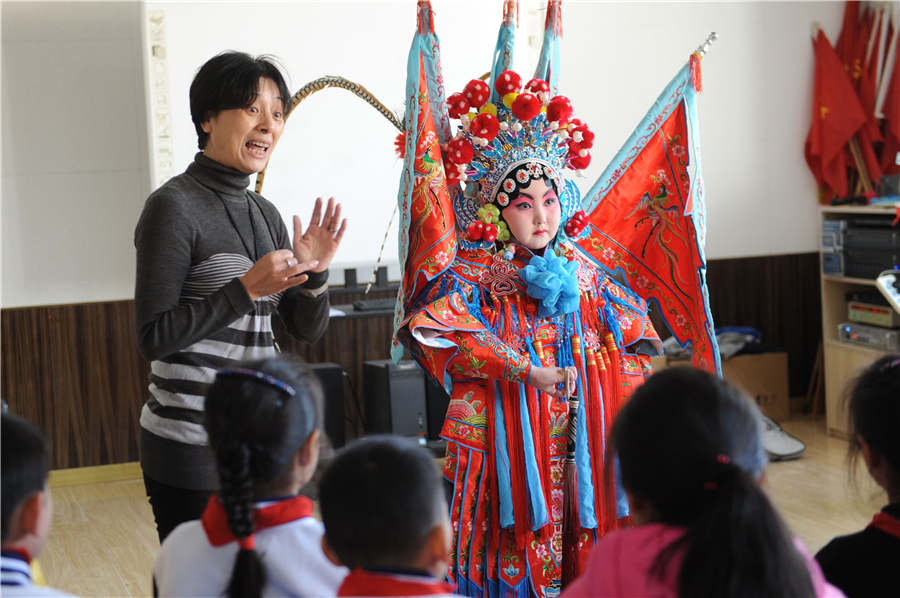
(75, 370)
(779, 296)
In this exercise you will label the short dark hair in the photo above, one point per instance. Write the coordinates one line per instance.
(230, 80)
(380, 498)
(24, 465)
(874, 411)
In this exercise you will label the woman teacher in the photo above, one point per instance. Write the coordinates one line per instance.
(214, 262)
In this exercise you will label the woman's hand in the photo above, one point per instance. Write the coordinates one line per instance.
(546, 380)
(322, 237)
(275, 272)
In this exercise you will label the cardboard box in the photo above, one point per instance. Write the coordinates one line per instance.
(763, 376)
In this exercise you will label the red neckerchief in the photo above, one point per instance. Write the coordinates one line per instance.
(887, 524)
(360, 582)
(215, 522)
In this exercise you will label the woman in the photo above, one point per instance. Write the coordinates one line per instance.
(214, 262)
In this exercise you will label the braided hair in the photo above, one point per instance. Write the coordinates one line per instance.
(257, 416)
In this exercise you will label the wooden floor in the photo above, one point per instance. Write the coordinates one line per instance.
(103, 540)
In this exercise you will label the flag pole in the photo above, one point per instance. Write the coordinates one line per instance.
(703, 48)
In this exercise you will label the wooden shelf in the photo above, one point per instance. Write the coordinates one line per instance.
(845, 346)
(849, 280)
(885, 210)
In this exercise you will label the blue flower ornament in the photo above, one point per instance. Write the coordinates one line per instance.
(552, 281)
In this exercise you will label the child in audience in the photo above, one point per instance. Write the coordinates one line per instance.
(257, 536)
(691, 456)
(386, 519)
(865, 563)
(26, 504)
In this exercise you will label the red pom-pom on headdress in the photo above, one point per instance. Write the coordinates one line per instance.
(526, 106)
(477, 93)
(508, 82)
(457, 105)
(559, 110)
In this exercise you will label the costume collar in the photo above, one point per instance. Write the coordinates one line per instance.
(215, 521)
(15, 569)
(886, 521)
(361, 582)
(228, 181)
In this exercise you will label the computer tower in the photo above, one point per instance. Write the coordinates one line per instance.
(436, 408)
(331, 377)
(395, 398)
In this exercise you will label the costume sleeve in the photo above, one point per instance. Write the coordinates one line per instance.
(164, 239)
(453, 343)
(637, 336)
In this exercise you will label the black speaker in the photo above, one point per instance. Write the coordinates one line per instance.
(437, 402)
(331, 377)
(395, 398)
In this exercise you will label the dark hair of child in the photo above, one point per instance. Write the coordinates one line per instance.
(380, 497)
(230, 80)
(873, 407)
(24, 466)
(689, 445)
(258, 415)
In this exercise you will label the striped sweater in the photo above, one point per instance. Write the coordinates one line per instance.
(197, 234)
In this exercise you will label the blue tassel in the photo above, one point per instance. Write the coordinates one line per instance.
(610, 316)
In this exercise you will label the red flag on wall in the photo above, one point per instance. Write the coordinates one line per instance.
(837, 116)
(892, 125)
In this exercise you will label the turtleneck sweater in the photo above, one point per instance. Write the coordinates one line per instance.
(198, 233)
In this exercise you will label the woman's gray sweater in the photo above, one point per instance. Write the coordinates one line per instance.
(198, 233)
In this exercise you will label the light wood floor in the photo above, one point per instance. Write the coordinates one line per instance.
(103, 541)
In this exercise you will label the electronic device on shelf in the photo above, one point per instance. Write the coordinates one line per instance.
(870, 307)
(888, 282)
(875, 337)
(386, 304)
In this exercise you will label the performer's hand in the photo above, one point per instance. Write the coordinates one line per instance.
(322, 236)
(547, 379)
(275, 272)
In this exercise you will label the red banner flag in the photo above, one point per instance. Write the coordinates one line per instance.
(892, 125)
(837, 116)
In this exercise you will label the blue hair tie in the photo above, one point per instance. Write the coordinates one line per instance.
(262, 377)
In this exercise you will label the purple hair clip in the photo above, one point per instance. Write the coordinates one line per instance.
(262, 377)
(890, 365)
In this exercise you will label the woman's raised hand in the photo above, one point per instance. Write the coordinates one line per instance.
(546, 379)
(275, 272)
(322, 236)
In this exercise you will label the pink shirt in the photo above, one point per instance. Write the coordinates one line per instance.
(619, 567)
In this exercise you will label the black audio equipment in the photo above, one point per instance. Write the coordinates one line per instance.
(436, 407)
(331, 377)
(395, 398)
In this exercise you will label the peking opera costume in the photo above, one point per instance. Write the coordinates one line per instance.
(478, 310)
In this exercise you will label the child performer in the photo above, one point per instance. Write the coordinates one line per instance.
(386, 519)
(691, 457)
(257, 536)
(864, 563)
(27, 506)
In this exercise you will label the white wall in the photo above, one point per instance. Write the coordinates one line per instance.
(74, 171)
(754, 110)
(617, 57)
